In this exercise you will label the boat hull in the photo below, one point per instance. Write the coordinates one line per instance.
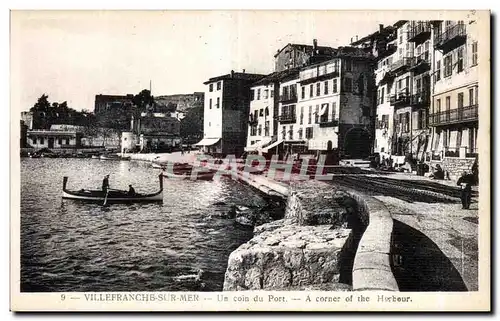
(100, 199)
(200, 176)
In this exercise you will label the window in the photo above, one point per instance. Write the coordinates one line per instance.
(272, 93)
(266, 93)
(266, 128)
(334, 85)
(42, 141)
(210, 103)
(471, 97)
(318, 89)
(316, 114)
(474, 53)
(302, 115)
(348, 85)
(438, 106)
(267, 111)
(421, 119)
(460, 100)
(382, 93)
(33, 140)
(300, 133)
(326, 87)
(437, 76)
(219, 85)
(252, 94)
(310, 115)
(218, 102)
(400, 39)
(447, 66)
(259, 132)
(460, 59)
(309, 133)
(283, 132)
(258, 94)
(67, 141)
(211, 87)
(290, 132)
(59, 141)
(324, 117)
(303, 92)
(334, 107)
(311, 88)
(348, 65)
(261, 112)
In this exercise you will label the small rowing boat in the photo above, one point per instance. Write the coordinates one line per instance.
(186, 171)
(112, 196)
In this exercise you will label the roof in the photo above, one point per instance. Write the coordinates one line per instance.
(374, 35)
(307, 48)
(236, 76)
(278, 76)
(399, 23)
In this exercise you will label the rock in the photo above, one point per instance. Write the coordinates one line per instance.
(244, 220)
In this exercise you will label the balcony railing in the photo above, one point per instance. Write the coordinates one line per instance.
(453, 116)
(305, 79)
(326, 123)
(402, 64)
(451, 38)
(287, 118)
(420, 32)
(400, 99)
(421, 98)
(288, 98)
(421, 63)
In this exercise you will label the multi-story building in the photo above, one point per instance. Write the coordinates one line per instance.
(226, 112)
(298, 55)
(454, 113)
(58, 136)
(105, 103)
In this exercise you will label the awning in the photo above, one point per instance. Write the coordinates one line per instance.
(207, 142)
(276, 143)
(258, 144)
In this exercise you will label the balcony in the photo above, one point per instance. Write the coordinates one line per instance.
(387, 78)
(451, 38)
(401, 65)
(421, 63)
(287, 118)
(454, 116)
(420, 32)
(387, 51)
(421, 98)
(400, 99)
(288, 98)
(325, 123)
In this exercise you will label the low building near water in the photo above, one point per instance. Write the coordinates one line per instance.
(58, 136)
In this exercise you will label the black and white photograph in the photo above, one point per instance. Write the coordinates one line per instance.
(326, 159)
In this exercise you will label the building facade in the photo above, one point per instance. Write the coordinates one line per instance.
(299, 55)
(226, 113)
(55, 138)
(261, 122)
(454, 114)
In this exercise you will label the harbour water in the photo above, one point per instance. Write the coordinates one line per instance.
(180, 245)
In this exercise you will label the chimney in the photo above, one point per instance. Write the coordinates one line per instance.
(380, 27)
(232, 73)
(356, 37)
(315, 44)
(243, 70)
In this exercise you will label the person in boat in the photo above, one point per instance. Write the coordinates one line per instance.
(105, 183)
(131, 191)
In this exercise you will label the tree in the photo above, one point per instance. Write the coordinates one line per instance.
(192, 125)
(42, 104)
(143, 100)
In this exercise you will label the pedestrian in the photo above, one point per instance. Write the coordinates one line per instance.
(465, 182)
(105, 183)
(131, 191)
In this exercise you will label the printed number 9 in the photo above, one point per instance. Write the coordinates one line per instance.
(63, 297)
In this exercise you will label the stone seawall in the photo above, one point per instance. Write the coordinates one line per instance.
(455, 166)
(302, 251)
(308, 248)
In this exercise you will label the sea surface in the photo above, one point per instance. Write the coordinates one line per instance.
(180, 245)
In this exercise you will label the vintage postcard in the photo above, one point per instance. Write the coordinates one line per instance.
(250, 160)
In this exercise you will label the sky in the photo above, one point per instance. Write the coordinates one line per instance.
(74, 55)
